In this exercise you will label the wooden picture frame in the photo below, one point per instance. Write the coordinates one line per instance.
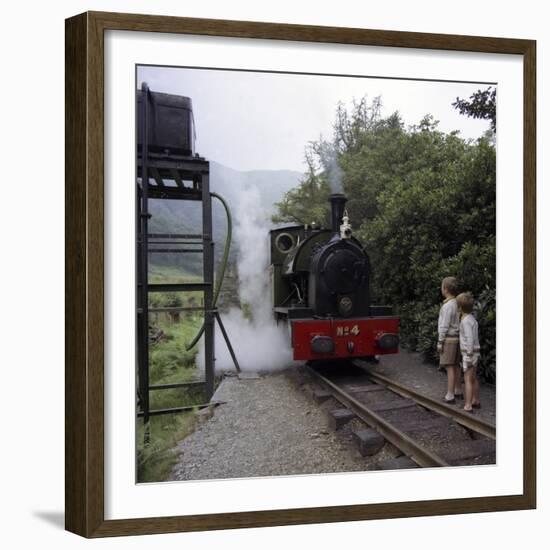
(84, 452)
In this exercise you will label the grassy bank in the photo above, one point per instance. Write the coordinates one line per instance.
(169, 363)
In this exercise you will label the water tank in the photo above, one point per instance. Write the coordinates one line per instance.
(171, 127)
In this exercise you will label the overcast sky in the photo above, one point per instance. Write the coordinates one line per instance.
(252, 120)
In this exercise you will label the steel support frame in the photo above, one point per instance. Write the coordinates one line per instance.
(193, 169)
(143, 266)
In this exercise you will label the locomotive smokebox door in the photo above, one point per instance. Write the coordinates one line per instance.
(343, 271)
(339, 279)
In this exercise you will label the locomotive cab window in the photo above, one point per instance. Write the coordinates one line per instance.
(284, 242)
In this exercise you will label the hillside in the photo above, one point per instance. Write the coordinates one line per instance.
(171, 216)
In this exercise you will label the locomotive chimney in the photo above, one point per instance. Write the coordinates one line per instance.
(337, 204)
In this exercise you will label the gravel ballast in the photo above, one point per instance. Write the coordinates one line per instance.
(268, 426)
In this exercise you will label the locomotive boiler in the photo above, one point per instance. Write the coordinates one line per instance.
(320, 282)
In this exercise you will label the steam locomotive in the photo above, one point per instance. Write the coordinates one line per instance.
(320, 283)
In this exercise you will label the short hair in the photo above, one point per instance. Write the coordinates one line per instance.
(450, 284)
(465, 302)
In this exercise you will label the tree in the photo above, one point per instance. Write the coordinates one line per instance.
(482, 105)
(308, 202)
(325, 160)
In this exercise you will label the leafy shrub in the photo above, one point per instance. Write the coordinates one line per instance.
(485, 313)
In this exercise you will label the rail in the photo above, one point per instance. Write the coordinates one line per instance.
(422, 456)
(463, 418)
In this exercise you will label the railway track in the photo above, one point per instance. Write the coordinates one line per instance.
(428, 433)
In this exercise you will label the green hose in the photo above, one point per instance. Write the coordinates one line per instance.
(221, 274)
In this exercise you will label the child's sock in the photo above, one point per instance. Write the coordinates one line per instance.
(449, 396)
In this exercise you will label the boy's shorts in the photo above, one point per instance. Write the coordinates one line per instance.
(466, 366)
(450, 356)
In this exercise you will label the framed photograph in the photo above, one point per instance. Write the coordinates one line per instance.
(300, 274)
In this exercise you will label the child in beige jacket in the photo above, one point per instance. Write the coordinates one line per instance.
(447, 340)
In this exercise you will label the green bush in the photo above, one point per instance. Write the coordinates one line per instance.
(169, 357)
(485, 313)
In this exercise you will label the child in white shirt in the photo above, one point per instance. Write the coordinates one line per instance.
(469, 348)
(447, 339)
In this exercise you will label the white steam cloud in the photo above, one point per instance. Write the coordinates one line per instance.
(252, 234)
(259, 343)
